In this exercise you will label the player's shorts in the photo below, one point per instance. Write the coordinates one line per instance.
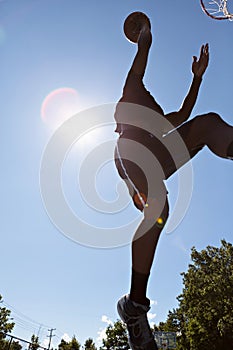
(143, 162)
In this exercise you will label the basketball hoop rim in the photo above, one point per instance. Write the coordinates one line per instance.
(212, 16)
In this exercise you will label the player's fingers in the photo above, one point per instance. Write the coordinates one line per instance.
(201, 50)
(206, 49)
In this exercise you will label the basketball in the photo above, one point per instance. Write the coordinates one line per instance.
(133, 25)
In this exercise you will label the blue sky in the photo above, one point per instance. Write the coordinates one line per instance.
(48, 280)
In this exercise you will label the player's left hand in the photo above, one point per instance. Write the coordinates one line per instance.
(199, 66)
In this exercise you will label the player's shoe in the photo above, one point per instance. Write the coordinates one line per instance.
(134, 315)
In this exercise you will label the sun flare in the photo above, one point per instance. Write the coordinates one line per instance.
(59, 105)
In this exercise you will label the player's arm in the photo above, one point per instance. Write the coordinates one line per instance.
(144, 43)
(198, 68)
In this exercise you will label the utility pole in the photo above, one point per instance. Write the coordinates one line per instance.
(50, 336)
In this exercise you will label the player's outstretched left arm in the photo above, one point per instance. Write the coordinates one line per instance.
(198, 69)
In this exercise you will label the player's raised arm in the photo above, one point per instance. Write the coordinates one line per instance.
(198, 69)
(199, 66)
(144, 43)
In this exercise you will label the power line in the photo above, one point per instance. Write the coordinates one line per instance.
(24, 322)
(20, 314)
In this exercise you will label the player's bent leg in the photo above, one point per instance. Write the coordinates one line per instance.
(208, 130)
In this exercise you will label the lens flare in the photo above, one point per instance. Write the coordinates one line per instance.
(59, 105)
(160, 222)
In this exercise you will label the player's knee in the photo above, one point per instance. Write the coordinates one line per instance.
(206, 122)
(210, 118)
(157, 211)
(213, 117)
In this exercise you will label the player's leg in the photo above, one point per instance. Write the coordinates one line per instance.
(208, 130)
(144, 246)
(133, 308)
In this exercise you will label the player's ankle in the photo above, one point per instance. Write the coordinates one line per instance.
(138, 300)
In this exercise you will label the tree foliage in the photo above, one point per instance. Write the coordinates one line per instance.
(34, 343)
(6, 325)
(204, 318)
(15, 345)
(12, 345)
(89, 344)
(72, 345)
(116, 337)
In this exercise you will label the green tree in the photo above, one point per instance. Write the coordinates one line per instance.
(204, 318)
(34, 343)
(10, 345)
(72, 345)
(116, 337)
(15, 346)
(6, 325)
(63, 345)
(89, 344)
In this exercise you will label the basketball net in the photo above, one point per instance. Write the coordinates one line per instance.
(216, 9)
